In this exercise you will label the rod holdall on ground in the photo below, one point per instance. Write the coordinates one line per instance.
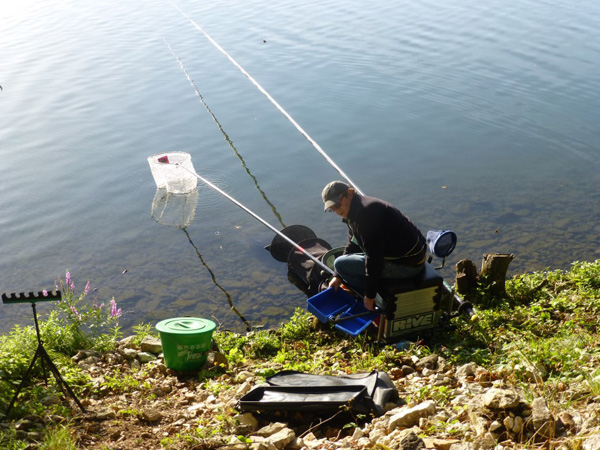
(363, 393)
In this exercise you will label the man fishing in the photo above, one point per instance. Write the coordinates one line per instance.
(382, 242)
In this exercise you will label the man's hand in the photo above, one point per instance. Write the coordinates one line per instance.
(335, 282)
(369, 303)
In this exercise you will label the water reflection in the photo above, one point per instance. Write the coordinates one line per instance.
(174, 210)
(214, 280)
(178, 211)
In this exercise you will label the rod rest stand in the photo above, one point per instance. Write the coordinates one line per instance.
(31, 297)
(41, 352)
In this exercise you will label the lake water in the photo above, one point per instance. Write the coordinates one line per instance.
(480, 117)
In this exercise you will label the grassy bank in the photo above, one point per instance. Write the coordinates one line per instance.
(542, 337)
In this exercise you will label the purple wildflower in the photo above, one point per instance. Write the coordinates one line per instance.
(114, 312)
(75, 312)
(68, 278)
(45, 293)
(87, 288)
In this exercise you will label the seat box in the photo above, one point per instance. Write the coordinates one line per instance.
(410, 305)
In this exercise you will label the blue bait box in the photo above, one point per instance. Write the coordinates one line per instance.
(356, 319)
(330, 303)
(346, 312)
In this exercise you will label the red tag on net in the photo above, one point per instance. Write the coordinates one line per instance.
(163, 159)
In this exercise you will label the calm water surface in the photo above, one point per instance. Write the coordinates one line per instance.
(480, 117)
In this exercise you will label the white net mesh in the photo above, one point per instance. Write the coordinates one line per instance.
(174, 172)
(174, 210)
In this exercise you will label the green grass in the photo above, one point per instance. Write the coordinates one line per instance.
(542, 335)
(545, 331)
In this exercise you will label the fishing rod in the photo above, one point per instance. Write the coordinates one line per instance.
(110, 280)
(225, 136)
(272, 100)
(253, 214)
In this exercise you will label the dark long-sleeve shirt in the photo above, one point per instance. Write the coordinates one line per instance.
(382, 232)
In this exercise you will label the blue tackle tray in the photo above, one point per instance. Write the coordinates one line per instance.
(355, 320)
(350, 315)
(328, 304)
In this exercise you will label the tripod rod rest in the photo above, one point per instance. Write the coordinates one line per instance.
(41, 296)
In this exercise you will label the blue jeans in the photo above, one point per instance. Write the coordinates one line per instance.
(351, 268)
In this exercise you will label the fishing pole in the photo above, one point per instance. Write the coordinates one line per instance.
(253, 214)
(272, 100)
(110, 280)
(227, 139)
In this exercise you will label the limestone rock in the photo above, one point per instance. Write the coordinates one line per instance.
(282, 438)
(270, 429)
(592, 443)
(543, 422)
(151, 415)
(429, 362)
(496, 398)
(105, 414)
(128, 353)
(440, 444)
(463, 446)
(151, 345)
(246, 423)
(146, 357)
(466, 370)
(408, 417)
(485, 442)
(127, 341)
(408, 440)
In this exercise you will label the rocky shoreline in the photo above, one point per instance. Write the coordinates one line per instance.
(135, 402)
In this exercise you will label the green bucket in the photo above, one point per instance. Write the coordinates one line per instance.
(185, 341)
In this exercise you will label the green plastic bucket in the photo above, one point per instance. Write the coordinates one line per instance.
(185, 341)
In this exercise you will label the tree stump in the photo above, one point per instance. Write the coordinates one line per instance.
(494, 267)
(467, 279)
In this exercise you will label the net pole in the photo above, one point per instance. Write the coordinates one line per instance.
(260, 219)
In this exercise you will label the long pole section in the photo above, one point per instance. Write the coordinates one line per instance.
(257, 217)
(272, 100)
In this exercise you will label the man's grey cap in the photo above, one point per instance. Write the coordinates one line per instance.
(332, 192)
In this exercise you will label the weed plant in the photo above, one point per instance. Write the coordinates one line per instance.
(74, 323)
(544, 332)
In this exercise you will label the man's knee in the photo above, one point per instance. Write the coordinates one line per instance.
(353, 264)
(339, 264)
